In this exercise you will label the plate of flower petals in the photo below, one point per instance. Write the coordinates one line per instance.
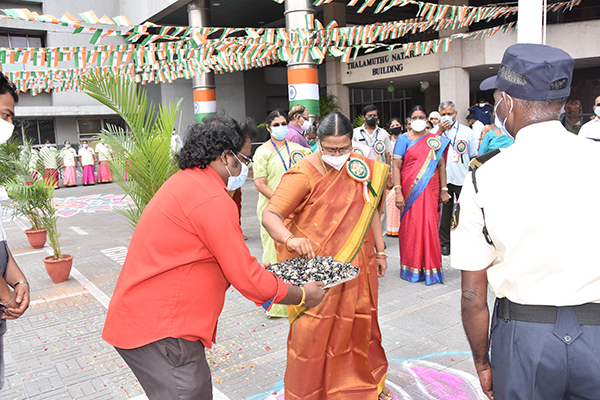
(299, 271)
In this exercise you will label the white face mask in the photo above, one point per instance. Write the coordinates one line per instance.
(6, 131)
(335, 162)
(481, 104)
(500, 124)
(279, 132)
(236, 182)
(306, 124)
(418, 125)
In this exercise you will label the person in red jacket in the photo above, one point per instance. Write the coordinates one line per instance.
(186, 250)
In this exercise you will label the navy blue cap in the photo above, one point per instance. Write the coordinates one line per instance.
(533, 72)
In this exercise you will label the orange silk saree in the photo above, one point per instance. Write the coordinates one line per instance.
(334, 349)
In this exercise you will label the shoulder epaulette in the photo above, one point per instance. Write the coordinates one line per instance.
(482, 159)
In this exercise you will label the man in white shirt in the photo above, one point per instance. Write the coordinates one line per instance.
(591, 129)
(476, 126)
(373, 136)
(463, 147)
(540, 260)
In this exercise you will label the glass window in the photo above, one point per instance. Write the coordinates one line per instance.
(377, 96)
(87, 126)
(29, 126)
(115, 122)
(18, 41)
(367, 96)
(4, 40)
(357, 96)
(46, 128)
(387, 95)
(35, 41)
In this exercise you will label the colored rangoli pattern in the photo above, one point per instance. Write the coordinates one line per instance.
(69, 206)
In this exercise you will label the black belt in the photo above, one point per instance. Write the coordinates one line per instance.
(587, 314)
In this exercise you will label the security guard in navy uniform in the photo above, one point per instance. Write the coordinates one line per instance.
(535, 246)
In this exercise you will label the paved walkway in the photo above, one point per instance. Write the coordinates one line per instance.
(55, 350)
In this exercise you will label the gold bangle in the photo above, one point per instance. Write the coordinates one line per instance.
(445, 189)
(396, 187)
(286, 243)
(381, 253)
(303, 297)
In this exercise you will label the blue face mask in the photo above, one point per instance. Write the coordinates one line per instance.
(279, 132)
(597, 111)
(67, 146)
(500, 124)
(236, 182)
(447, 118)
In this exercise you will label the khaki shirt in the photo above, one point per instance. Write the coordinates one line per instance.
(540, 198)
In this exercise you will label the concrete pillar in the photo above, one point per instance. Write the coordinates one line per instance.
(530, 21)
(205, 100)
(455, 80)
(454, 86)
(333, 66)
(303, 77)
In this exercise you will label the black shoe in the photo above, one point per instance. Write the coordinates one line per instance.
(445, 250)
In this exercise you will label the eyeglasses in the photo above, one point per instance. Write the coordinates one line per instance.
(342, 151)
(246, 161)
(276, 124)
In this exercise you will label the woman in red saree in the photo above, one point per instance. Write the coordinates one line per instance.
(327, 205)
(419, 175)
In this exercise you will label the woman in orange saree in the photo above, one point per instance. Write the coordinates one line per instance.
(327, 205)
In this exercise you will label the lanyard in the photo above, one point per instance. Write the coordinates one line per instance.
(366, 141)
(453, 140)
(280, 156)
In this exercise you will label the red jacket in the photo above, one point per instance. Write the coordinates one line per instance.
(186, 250)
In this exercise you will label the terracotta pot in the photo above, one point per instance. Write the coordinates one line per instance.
(59, 270)
(37, 239)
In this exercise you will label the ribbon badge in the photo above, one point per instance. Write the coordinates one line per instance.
(296, 156)
(379, 147)
(359, 151)
(461, 148)
(434, 144)
(359, 171)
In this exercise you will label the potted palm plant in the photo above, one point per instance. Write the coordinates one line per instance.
(32, 196)
(19, 177)
(57, 265)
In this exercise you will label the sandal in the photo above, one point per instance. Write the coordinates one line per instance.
(386, 394)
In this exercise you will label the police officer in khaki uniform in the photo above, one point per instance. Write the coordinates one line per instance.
(536, 247)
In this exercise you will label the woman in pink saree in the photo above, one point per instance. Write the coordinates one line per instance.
(419, 176)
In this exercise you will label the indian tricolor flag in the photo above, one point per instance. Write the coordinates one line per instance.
(303, 88)
(205, 104)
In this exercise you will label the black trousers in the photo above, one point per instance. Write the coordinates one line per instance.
(171, 369)
(453, 191)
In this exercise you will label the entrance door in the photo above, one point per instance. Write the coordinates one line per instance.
(389, 104)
